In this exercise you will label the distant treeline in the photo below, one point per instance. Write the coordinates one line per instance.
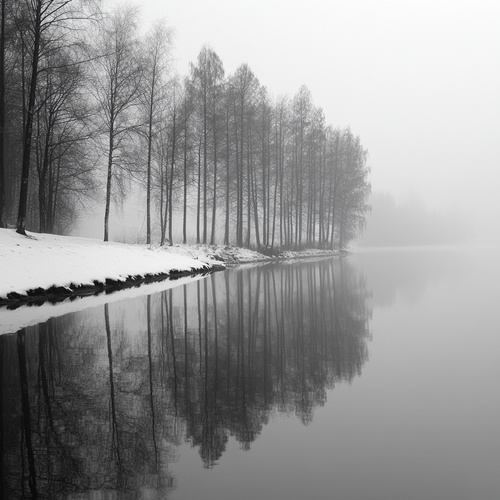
(90, 103)
(407, 223)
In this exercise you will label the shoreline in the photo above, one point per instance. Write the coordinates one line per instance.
(55, 294)
(46, 268)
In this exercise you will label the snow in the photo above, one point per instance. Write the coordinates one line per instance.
(43, 261)
(224, 253)
(12, 321)
(238, 255)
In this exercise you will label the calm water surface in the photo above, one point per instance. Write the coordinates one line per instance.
(371, 377)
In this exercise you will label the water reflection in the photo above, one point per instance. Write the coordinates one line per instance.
(411, 271)
(97, 402)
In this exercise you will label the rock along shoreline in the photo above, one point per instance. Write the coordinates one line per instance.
(54, 294)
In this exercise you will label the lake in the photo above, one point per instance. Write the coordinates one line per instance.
(374, 376)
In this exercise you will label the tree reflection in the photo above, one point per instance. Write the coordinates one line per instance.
(72, 421)
(289, 334)
(98, 401)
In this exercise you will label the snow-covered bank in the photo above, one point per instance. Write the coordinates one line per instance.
(45, 266)
(32, 266)
(236, 255)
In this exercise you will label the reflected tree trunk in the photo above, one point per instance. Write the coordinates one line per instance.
(172, 344)
(205, 331)
(216, 339)
(186, 358)
(26, 417)
(43, 337)
(199, 323)
(228, 335)
(264, 337)
(115, 439)
(2, 432)
(239, 335)
(151, 384)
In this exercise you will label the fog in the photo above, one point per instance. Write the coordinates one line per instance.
(410, 222)
(417, 81)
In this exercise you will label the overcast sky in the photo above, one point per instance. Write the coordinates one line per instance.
(418, 81)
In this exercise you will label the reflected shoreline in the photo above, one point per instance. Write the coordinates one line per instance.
(22, 313)
(56, 294)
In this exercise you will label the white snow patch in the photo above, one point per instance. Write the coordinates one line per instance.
(238, 255)
(44, 260)
(218, 253)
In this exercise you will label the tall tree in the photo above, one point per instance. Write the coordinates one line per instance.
(62, 127)
(216, 115)
(207, 76)
(302, 108)
(28, 128)
(355, 189)
(244, 87)
(187, 112)
(157, 50)
(3, 222)
(175, 136)
(49, 21)
(117, 88)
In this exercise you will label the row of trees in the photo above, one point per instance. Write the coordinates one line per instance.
(270, 172)
(216, 156)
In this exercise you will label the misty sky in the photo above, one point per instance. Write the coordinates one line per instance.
(418, 80)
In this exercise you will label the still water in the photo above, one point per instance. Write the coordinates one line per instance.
(375, 376)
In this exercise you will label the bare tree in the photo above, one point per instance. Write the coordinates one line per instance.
(117, 87)
(243, 87)
(157, 50)
(2, 116)
(61, 120)
(187, 112)
(49, 21)
(167, 155)
(207, 77)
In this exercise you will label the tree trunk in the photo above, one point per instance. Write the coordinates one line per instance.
(25, 405)
(198, 211)
(184, 218)
(171, 183)
(226, 229)
(265, 223)
(214, 205)
(23, 194)
(150, 147)
(162, 190)
(3, 221)
(42, 200)
(238, 180)
(108, 182)
(255, 208)
(205, 168)
(54, 197)
(249, 189)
